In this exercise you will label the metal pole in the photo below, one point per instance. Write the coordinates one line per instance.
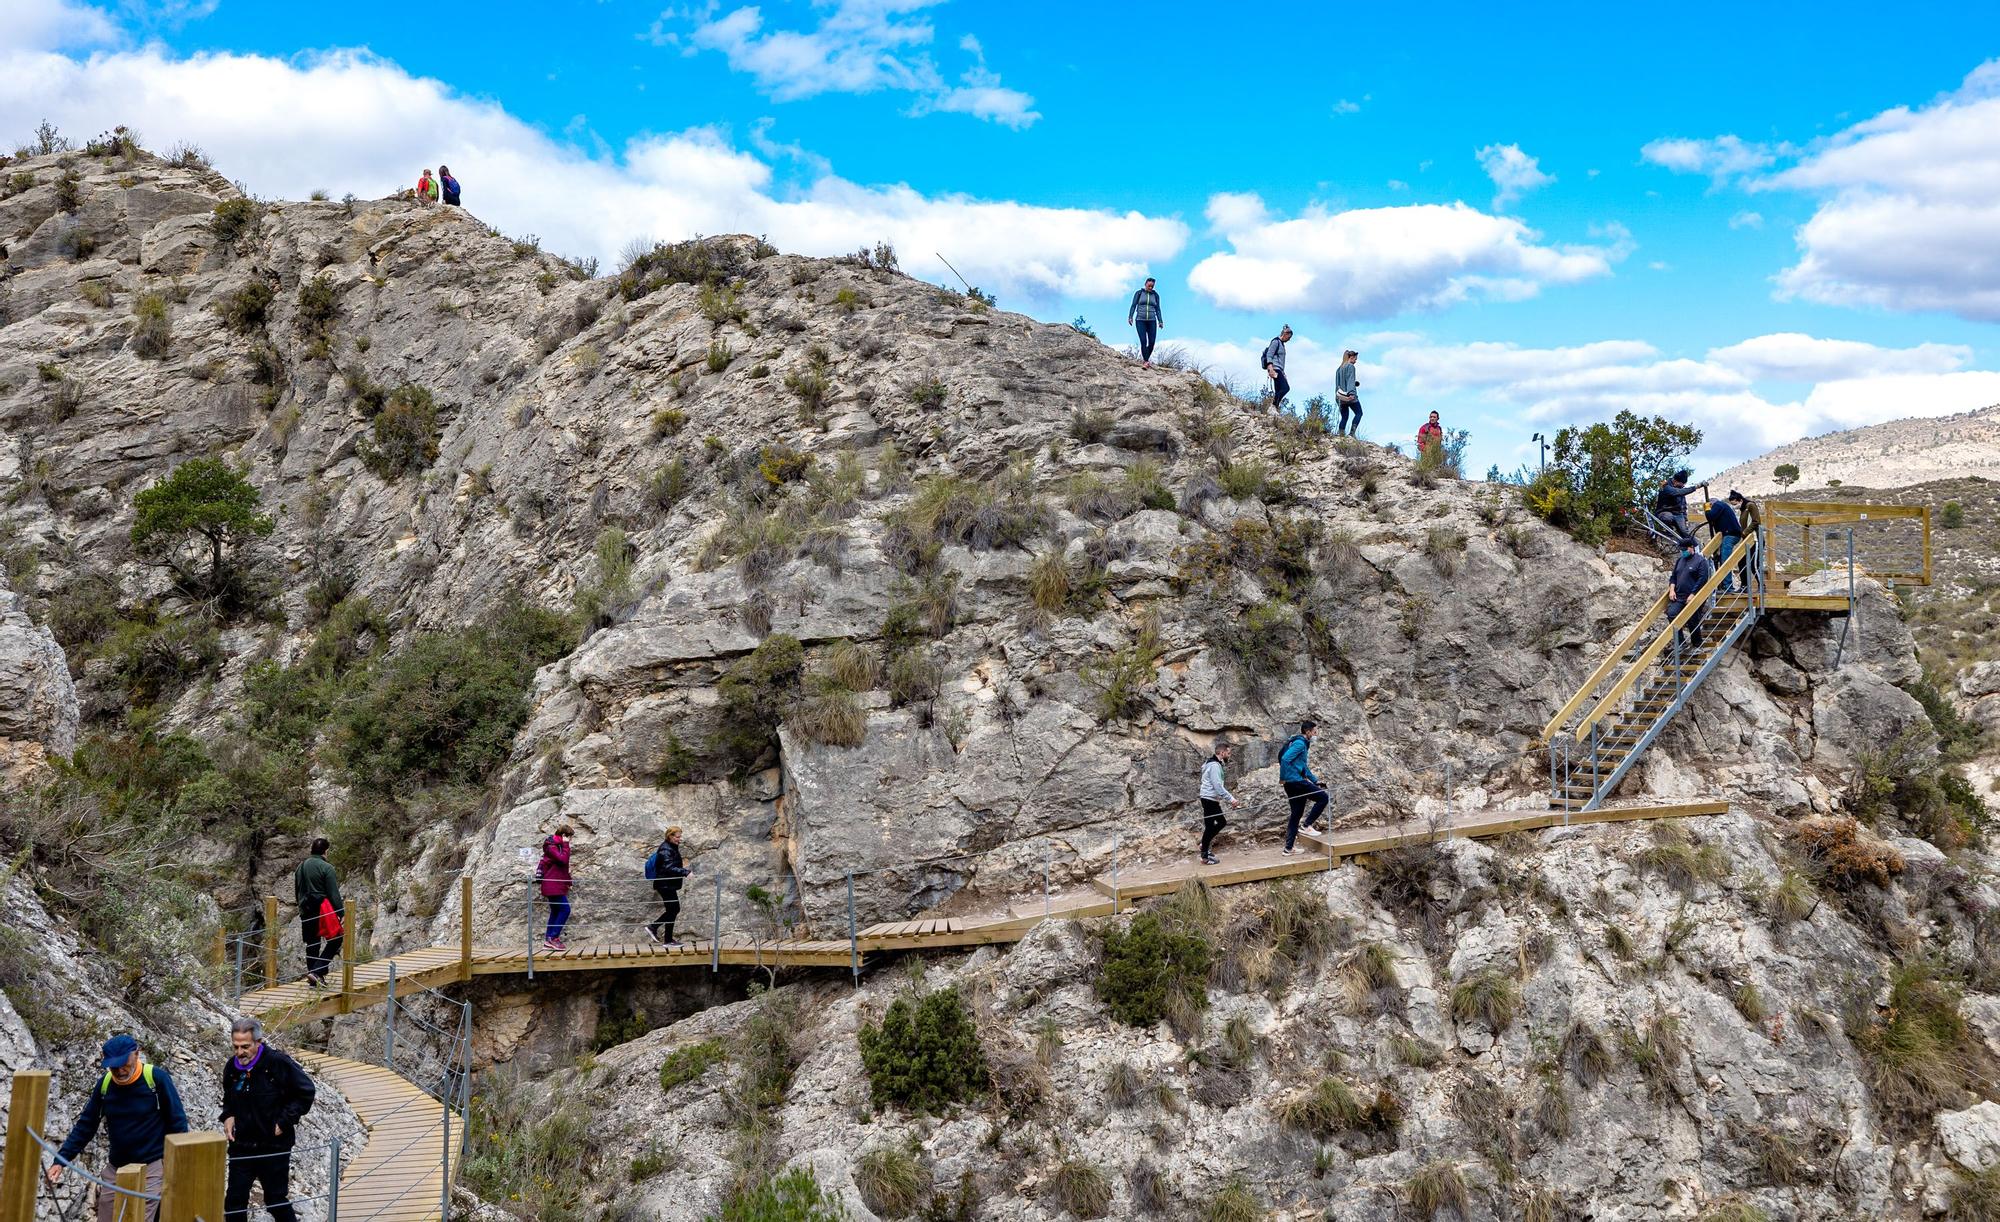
(1117, 843)
(389, 1022)
(715, 943)
(853, 934)
(333, 1181)
(444, 1188)
(531, 933)
(1045, 880)
(1853, 611)
(238, 994)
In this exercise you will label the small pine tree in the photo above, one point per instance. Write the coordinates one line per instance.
(205, 509)
(925, 1056)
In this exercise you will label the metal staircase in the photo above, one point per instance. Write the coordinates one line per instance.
(1594, 740)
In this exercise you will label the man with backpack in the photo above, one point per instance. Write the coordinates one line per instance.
(665, 869)
(264, 1096)
(322, 916)
(1144, 313)
(137, 1104)
(1724, 525)
(1670, 504)
(1274, 366)
(1691, 573)
(1301, 786)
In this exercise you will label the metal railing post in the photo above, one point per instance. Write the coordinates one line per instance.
(531, 933)
(715, 943)
(238, 994)
(444, 1188)
(853, 934)
(1045, 880)
(1117, 901)
(333, 1180)
(389, 1022)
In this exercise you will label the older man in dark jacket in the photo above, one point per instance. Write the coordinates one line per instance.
(264, 1096)
(1691, 573)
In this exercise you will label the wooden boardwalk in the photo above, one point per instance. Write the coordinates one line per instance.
(399, 1175)
(1103, 895)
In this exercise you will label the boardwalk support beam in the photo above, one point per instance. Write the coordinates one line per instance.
(191, 1188)
(27, 1111)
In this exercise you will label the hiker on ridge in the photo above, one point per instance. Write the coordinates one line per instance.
(1723, 524)
(264, 1096)
(449, 184)
(552, 876)
(427, 188)
(1213, 794)
(1691, 573)
(1274, 366)
(138, 1105)
(1144, 313)
(1301, 786)
(1347, 393)
(665, 869)
(1430, 434)
(322, 915)
(1670, 504)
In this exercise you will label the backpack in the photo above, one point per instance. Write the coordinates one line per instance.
(653, 867)
(1287, 748)
(146, 1075)
(1662, 503)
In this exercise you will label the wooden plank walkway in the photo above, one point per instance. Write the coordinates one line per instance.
(1101, 896)
(399, 1175)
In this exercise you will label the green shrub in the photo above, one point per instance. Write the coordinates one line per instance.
(1330, 1108)
(720, 354)
(157, 658)
(445, 708)
(1437, 1187)
(1489, 996)
(690, 1061)
(69, 191)
(704, 261)
(950, 509)
(1120, 680)
(1596, 473)
(668, 422)
(319, 308)
(811, 386)
(198, 523)
(403, 435)
(780, 464)
(1243, 481)
(152, 329)
(1235, 1203)
(721, 303)
(1681, 860)
(914, 677)
(246, 309)
(794, 1196)
(1265, 640)
(654, 1159)
(1952, 516)
(1088, 426)
(1975, 1198)
(757, 691)
(1921, 1054)
(925, 1056)
(1148, 485)
(233, 219)
(534, 1154)
(1155, 969)
(892, 1182)
(930, 394)
(668, 486)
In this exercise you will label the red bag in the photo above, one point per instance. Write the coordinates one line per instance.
(329, 921)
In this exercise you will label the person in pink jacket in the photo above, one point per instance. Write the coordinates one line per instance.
(553, 877)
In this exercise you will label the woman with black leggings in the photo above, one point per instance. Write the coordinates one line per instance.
(1213, 794)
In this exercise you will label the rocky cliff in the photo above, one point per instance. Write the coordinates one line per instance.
(866, 578)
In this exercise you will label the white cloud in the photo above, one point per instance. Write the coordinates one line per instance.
(1378, 262)
(1854, 384)
(1512, 171)
(1747, 219)
(1721, 158)
(1911, 214)
(1791, 356)
(43, 24)
(859, 46)
(380, 125)
(1345, 107)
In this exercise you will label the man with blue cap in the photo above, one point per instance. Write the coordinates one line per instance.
(138, 1105)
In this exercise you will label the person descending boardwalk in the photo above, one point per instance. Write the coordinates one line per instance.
(1752, 518)
(1274, 366)
(1430, 434)
(264, 1096)
(1213, 794)
(1723, 523)
(553, 876)
(322, 915)
(665, 869)
(1144, 313)
(1691, 573)
(1301, 786)
(449, 185)
(1670, 504)
(1347, 393)
(138, 1105)
(427, 188)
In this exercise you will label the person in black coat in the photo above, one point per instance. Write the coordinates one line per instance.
(666, 869)
(264, 1096)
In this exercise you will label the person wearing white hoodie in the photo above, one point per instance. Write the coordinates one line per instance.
(1213, 794)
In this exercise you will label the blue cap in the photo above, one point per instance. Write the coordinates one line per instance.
(117, 1049)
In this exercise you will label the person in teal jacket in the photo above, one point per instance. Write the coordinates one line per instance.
(1301, 786)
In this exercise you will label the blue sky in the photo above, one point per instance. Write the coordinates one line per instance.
(1767, 224)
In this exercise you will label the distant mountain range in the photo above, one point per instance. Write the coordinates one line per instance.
(1894, 454)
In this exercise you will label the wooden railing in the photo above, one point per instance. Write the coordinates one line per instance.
(1888, 555)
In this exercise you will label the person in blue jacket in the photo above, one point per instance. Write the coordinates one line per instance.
(1724, 524)
(137, 1105)
(1301, 786)
(1691, 573)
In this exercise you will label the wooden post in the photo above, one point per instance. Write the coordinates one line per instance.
(270, 941)
(192, 1188)
(465, 926)
(218, 954)
(28, 1108)
(347, 951)
(132, 1178)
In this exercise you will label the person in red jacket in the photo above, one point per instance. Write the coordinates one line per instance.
(427, 189)
(553, 877)
(1431, 434)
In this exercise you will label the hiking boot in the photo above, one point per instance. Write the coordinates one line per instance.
(1209, 859)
